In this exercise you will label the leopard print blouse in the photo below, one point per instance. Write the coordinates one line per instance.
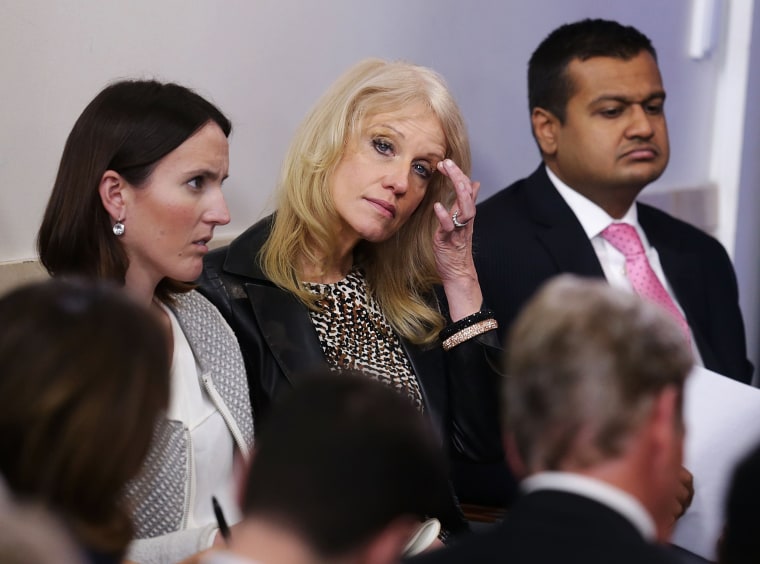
(355, 335)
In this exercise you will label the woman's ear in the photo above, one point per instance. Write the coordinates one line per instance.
(112, 193)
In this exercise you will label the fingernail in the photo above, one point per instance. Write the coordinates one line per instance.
(449, 163)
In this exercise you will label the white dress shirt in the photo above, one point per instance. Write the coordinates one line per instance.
(594, 220)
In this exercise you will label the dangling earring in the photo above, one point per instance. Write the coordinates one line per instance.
(118, 228)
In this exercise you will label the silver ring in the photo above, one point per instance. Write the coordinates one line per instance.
(457, 224)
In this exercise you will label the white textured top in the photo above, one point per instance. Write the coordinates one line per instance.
(223, 557)
(594, 220)
(210, 439)
(606, 494)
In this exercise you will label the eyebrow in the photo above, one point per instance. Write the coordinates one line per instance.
(392, 129)
(207, 173)
(429, 155)
(659, 94)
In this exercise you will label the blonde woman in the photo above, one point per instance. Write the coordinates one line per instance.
(367, 263)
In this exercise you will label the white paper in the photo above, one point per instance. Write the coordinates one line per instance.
(722, 425)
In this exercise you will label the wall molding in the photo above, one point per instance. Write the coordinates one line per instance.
(16, 273)
(696, 205)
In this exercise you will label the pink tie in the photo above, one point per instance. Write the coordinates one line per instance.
(643, 279)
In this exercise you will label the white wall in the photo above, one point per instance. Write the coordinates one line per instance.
(264, 62)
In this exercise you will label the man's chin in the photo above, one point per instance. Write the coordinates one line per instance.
(638, 180)
(645, 172)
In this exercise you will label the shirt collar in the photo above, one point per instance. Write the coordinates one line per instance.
(592, 218)
(606, 494)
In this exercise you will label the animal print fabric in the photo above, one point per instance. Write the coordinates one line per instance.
(356, 336)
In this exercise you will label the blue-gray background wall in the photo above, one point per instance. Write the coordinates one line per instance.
(265, 62)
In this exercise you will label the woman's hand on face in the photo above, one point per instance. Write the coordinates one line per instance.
(453, 245)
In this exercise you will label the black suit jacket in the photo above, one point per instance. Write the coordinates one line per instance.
(526, 234)
(551, 527)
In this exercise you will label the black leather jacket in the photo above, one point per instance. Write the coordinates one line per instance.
(280, 345)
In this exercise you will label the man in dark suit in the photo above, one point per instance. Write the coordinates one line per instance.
(593, 416)
(597, 110)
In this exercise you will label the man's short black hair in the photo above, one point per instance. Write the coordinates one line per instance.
(549, 86)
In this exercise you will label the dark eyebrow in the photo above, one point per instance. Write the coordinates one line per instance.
(207, 173)
(658, 95)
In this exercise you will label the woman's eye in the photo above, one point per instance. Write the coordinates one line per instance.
(422, 170)
(196, 182)
(382, 146)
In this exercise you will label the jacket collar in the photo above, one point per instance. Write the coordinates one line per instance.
(219, 357)
(683, 269)
(242, 253)
(559, 231)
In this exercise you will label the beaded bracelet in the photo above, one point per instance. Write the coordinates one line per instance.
(467, 328)
(468, 333)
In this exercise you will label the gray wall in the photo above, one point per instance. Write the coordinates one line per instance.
(266, 61)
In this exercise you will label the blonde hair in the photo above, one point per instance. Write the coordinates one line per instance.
(401, 271)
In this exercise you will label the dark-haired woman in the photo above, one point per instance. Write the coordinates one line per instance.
(136, 200)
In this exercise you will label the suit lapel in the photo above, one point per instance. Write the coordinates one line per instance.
(683, 272)
(286, 326)
(558, 231)
(283, 320)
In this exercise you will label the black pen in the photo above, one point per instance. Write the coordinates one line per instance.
(224, 529)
